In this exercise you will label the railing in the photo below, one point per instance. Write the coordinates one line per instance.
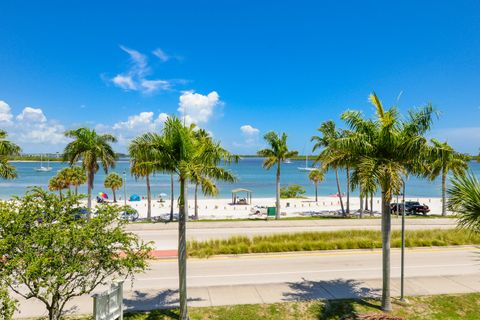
(108, 305)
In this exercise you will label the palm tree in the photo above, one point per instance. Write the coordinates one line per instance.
(65, 176)
(465, 200)
(179, 151)
(140, 152)
(329, 134)
(57, 183)
(387, 147)
(316, 176)
(77, 177)
(443, 160)
(7, 148)
(276, 153)
(91, 148)
(113, 181)
(171, 197)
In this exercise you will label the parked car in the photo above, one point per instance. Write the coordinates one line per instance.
(79, 213)
(128, 213)
(411, 207)
(259, 210)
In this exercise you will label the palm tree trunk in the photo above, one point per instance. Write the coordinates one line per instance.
(386, 237)
(114, 195)
(277, 213)
(149, 198)
(361, 202)
(196, 201)
(366, 201)
(182, 253)
(339, 192)
(371, 204)
(76, 190)
(316, 192)
(348, 190)
(171, 197)
(444, 190)
(90, 187)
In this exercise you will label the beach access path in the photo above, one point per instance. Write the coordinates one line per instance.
(269, 278)
(165, 235)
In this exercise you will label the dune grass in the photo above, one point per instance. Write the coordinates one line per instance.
(441, 307)
(334, 240)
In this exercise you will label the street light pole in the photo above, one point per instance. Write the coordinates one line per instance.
(125, 188)
(402, 276)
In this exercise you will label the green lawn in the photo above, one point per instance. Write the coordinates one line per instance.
(441, 307)
(310, 241)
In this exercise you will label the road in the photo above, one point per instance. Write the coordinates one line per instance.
(284, 277)
(164, 236)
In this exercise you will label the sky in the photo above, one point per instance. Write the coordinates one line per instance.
(236, 68)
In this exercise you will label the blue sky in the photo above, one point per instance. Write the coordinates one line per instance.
(237, 68)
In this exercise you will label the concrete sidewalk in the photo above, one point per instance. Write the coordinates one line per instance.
(144, 300)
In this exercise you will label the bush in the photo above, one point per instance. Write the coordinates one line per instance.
(292, 191)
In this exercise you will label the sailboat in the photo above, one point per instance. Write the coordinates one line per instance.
(306, 168)
(42, 168)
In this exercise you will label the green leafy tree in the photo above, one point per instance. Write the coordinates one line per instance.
(140, 152)
(443, 160)
(113, 181)
(91, 148)
(292, 191)
(316, 176)
(276, 153)
(387, 147)
(179, 151)
(57, 183)
(464, 199)
(59, 257)
(7, 149)
(8, 306)
(328, 135)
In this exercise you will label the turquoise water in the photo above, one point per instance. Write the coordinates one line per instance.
(249, 171)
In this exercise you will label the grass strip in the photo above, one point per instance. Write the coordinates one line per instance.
(438, 307)
(334, 240)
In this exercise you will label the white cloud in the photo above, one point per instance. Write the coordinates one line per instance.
(160, 54)
(32, 115)
(196, 107)
(5, 112)
(249, 130)
(135, 78)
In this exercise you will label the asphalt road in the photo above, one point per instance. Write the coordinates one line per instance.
(284, 277)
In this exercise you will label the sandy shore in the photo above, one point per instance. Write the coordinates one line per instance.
(223, 209)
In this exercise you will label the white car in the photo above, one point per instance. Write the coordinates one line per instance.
(259, 210)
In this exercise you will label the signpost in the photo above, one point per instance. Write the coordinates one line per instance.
(108, 305)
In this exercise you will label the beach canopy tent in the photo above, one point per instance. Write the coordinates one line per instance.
(102, 195)
(248, 197)
(134, 197)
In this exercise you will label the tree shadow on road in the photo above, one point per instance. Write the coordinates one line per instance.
(162, 303)
(340, 296)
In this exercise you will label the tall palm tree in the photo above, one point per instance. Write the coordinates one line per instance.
(91, 148)
(113, 181)
(179, 151)
(328, 135)
(7, 148)
(388, 147)
(443, 160)
(274, 155)
(140, 152)
(316, 176)
(464, 199)
(77, 177)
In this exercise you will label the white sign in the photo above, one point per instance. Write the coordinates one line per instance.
(108, 305)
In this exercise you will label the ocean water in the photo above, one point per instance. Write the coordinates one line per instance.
(249, 172)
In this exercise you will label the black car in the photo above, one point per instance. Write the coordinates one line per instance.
(411, 207)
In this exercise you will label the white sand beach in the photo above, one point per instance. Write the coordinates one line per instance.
(223, 208)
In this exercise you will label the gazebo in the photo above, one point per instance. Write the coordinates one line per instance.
(248, 198)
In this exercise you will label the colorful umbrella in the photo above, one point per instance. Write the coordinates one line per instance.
(102, 195)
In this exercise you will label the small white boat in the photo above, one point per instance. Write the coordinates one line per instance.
(287, 161)
(306, 168)
(42, 168)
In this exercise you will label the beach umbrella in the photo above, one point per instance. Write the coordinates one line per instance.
(134, 197)
(102, 195)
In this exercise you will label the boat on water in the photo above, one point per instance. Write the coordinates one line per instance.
(42, 168)
(306, 168)
(287, 161)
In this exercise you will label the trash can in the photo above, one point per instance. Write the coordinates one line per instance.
(271, 211)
